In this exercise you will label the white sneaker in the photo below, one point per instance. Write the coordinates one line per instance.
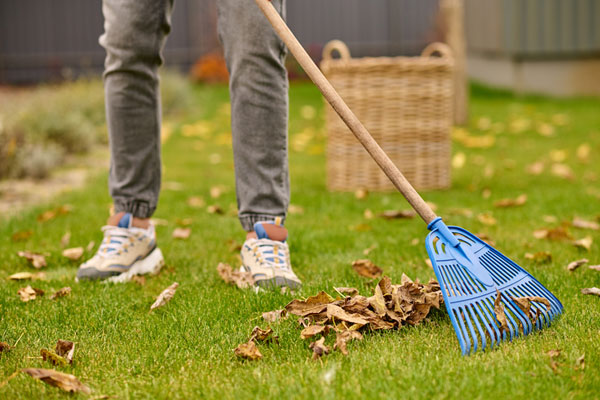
(125, 251)
(268, 260)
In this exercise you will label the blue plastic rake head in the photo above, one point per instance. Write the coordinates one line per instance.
(471, 273)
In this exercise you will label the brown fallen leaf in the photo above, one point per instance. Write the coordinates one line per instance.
(368, 214)
(139, 279)
(35, 259)
(573, 265)
(4, 347)
(66, 238)
(53, 358)
(594, 267)
(318, 347)
(486, 219)
(367, 269)
(524, 304)
(248, 351)
(66, 382)
(196, 202)
(504, 203)
(28, 293)
(592, 291)
(215, 209)
(241, 279)
(584, 224)
(21, 236)
(73, 254)
(65, 349)
(580, 363)
(555, 234)
(62, 292)
(345, 291)
(165, 296)
(53, 213)
(500, 315)
(536, 168)
(181, 233)
(562, 171)
(312, 305)
(336, 312)
(541, 257)
(276, 315)
(23, 276)
(554, 353)
(397, 214)
(585, 243)
(342, 339)
(261, 335)
(313, 330)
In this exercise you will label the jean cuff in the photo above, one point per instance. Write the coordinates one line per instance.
(248, 220)
(137, 208)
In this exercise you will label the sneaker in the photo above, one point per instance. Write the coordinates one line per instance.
(267, 258)
(125, 251)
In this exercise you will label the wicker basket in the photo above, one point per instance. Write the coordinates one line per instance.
(406, 103)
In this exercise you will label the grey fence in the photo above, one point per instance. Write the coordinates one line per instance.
(50, 39)
(533, 28)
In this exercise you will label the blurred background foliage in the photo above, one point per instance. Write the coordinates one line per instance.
(42, 126)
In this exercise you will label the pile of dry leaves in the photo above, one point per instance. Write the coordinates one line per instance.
(390, 307)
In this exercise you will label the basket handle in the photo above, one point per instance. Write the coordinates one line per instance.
(336, 45)
(437, 47)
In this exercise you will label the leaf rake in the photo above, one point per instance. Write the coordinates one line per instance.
(489, 297)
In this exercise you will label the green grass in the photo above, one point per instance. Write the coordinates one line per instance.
(184, 349)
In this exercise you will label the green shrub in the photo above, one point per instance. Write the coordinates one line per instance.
(40, 126)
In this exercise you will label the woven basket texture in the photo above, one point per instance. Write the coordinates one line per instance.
(406, 103)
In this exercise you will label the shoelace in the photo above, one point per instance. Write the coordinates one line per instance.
(272, 253)
(115, 241)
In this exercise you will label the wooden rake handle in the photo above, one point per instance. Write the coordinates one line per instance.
(361, 133)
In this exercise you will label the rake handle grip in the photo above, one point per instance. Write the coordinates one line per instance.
(338, 104)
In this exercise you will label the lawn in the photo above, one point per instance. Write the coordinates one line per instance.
(185, 348)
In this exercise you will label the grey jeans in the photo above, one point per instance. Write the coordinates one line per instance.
(135, 32)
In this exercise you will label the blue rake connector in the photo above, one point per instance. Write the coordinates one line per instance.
(471, 273)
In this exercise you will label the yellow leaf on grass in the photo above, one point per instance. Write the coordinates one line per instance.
(585, 243)
(181, 233)
(73, 254)
(486, 219)
(459, 160)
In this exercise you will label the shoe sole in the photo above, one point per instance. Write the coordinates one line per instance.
(274, 283)
(151, 264)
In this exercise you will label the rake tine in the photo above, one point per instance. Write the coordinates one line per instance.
(466, 346)
(491, 328)
(473, 311)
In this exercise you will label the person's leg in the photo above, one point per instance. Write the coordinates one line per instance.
(135, 32)
(259, 115)
(259, 108)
